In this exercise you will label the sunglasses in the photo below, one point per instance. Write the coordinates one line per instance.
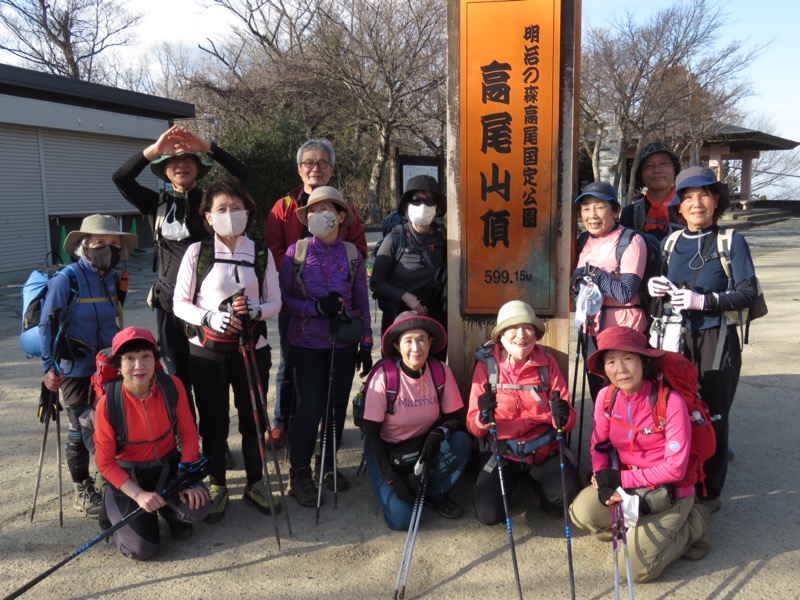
(420, 200)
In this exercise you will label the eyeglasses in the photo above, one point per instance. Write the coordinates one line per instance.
(323, 165)
(654, 166)
(426, 200)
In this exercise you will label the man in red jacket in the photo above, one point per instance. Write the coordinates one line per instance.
(315, 162)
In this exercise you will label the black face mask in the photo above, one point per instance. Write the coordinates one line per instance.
(104, 258)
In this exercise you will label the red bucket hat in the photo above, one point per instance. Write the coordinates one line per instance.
(624, 339)
(129, 334)
(406, 321)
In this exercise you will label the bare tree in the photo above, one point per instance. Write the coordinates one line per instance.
(66, 37)
(665, 78)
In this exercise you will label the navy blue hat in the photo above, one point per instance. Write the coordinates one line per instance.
(700, 177)
(599, 189)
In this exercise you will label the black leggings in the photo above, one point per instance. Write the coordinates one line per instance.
(213, 375)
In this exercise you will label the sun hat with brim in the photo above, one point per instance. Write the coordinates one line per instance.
(129, 334)
(422, 183)
(513, 313)
(700, 177)
(99, 225)
(158, 166)
(623, 339)
(406, 321)
(599, 189)
(330, 194)
(649, 150)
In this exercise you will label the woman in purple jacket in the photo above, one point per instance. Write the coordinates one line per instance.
(323, 286)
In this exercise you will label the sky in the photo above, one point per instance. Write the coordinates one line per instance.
(774, 75)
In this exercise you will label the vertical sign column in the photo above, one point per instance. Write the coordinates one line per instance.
(509, 69)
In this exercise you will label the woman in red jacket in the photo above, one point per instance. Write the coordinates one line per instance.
(512, 386)
(144, 456)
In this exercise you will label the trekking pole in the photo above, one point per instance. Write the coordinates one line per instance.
(556, 396)
(244, 342)
(584, 377)
(196, 471)
(331, 374)
(614, 528)
(498, 460)
(575, 380)
(46, 397)
(421, 470)
(620, 521)
(58, 460)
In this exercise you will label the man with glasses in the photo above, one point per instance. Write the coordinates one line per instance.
(315, 162)
(409, 271)
(655, 211)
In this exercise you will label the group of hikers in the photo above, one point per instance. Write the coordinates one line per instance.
(216, 287)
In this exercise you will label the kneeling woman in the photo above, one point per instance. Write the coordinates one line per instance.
(135, 469)
(655, 463)
(423, 421)
(511, 384)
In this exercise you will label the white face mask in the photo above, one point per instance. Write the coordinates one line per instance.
(517, 352)
(321, 224)
(229, 224)
(421, 215)
(175, 229)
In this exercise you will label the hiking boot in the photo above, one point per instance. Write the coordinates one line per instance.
(279, 437)
(219, 502)
(445, 507)
(341, 481)
(302, 487)
(712, 504)
(87, 499)
(699, 548)
(180, 530)
(230, 463)
(257, 495)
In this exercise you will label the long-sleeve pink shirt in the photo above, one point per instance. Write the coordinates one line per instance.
(647, 459)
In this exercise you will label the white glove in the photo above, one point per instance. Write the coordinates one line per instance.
(219, 321)
(253, 310)
(688, 300)
(658, 286)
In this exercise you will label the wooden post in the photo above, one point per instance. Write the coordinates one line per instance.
(468, 328)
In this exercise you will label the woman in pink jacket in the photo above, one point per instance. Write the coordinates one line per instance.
(512, 385)
(650, 467)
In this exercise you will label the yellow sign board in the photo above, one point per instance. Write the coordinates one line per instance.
(510, 71)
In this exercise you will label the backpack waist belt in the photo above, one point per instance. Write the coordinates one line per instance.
(522, 449)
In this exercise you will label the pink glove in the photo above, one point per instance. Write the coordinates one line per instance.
(688, 300)
(658, 286)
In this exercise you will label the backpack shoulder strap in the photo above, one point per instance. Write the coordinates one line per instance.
(300, 252)
(659, 394)
(544, 373)
(639, 214)
(610, 399)
(669, 245)
(261, 262)
(116, 413)
(205, 261)
(170, 393)
(439, 378)
(353, 258)
(484, 355)
(392, 377)
(624, 242)
(398, 234)
(724, 243)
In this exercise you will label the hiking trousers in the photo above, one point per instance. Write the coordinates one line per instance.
(717, 388)
(657, 541)
(75, 392)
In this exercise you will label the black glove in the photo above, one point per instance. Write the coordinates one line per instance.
(41, 413)
(608, 480)
(364, 360)
(405, 488)
(430, 450)
(487, 402)
(577, 280)
(560, 411)
(329, 305)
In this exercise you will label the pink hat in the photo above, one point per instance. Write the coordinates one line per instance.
(619, 338)
(406, 321)
(129, 334)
